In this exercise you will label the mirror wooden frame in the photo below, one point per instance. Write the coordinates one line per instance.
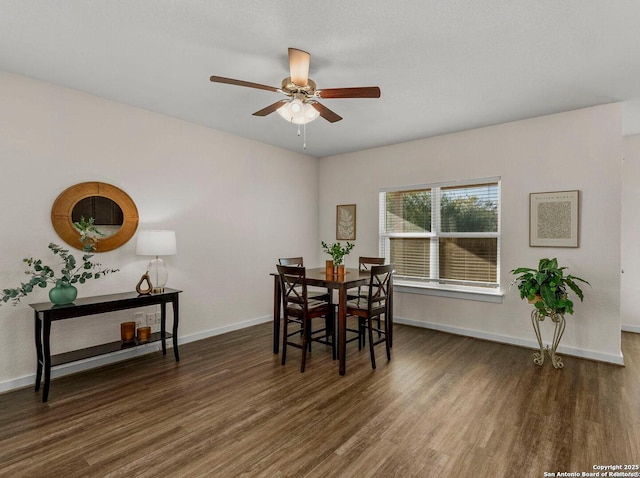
(65, 202)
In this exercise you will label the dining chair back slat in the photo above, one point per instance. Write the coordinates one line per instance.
(365, 263)
(291, 261)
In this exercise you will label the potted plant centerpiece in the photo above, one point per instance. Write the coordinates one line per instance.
(547, 289)
(71, 271)
(337, 253)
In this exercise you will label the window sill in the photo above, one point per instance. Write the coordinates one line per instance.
(452, 292)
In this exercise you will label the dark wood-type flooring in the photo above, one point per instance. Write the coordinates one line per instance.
(445, 406)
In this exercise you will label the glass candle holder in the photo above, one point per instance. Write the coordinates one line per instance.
(143, 334)
(329, 268)
(127, 331)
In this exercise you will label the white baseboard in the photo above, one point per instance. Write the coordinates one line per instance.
(505, 339)
(223, 330)
(98, 361)
(631, 328)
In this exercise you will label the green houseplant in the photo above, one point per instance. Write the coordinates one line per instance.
(71, 271)
(547, 286)
(337, 251)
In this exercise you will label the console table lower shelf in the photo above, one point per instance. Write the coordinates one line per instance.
(102, 349)
(46, 313)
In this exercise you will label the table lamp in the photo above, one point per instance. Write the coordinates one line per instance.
(157, 243)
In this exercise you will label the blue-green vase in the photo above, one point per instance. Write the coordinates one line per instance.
(63, 293)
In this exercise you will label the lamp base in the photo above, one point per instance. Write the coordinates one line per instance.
(159, 275)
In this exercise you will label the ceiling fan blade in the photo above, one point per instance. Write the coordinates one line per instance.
(231, 81)
(270, 109)
(325, 112)
(361, 92)
(299, 66)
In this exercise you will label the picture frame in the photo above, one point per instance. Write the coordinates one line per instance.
(346, 222)
(554, 219)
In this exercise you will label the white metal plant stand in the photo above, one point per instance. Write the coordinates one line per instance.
(538, 316)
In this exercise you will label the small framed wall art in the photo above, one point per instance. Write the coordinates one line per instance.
(554, 219)
(346, 222)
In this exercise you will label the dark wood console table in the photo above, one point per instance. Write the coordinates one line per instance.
(46, 313)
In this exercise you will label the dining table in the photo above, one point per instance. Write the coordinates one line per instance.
(321, 278)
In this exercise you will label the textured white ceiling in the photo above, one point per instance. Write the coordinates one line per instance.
(442, 66)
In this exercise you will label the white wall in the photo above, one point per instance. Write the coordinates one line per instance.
(630, 282)
(230, 201)
(575, 150)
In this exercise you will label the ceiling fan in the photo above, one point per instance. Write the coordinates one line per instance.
(301, 104)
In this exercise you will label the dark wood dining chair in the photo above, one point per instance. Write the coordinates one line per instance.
(299, 308)
(313, 293)
(375, 306)
(364, 264)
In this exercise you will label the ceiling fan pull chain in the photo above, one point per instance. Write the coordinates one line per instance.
(304, 137)
(298, 130)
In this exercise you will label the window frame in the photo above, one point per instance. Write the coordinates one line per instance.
(486, 291)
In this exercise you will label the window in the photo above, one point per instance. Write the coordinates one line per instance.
(446, 233)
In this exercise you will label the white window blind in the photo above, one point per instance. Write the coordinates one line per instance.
(446, 233)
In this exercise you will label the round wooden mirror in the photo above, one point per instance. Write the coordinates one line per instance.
(115, 213)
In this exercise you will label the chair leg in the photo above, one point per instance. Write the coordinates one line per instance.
(361, 328)
(373, 356)
(387, 341)
(330, 324)
(285, 338)
(302, 338)
(335, 336)
(305, 340)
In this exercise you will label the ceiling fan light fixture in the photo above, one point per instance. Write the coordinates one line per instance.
(298, 112)
(296, 106)
(311, 113)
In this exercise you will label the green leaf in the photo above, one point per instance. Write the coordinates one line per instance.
(548, 296)
(522, 270)
(574, 287)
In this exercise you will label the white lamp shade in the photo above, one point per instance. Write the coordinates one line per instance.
(156, 243)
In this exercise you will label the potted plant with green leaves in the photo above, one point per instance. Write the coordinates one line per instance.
(547, 288)
(70, 272)
(337, 252)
